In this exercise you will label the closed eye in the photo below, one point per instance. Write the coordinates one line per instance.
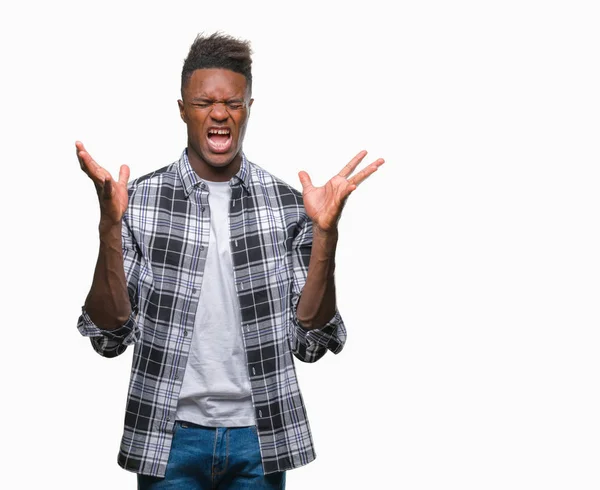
(232, 105)
(235, 105)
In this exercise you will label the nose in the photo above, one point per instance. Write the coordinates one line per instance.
(219, 111)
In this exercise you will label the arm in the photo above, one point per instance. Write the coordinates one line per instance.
(107, 316)
(324, 207)
(318, 325)
(310, 345)
(317, 304)
(107, 302)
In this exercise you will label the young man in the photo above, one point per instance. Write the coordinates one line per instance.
(217, 273)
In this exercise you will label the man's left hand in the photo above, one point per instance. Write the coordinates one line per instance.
(324, 204)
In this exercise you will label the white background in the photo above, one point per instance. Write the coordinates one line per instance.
(468, 267)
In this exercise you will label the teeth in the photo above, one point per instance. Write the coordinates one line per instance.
(218, 131)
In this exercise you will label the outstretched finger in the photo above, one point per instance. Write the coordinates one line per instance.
(305, 180)
(80, 151)
(366, 172)
(90, 167)
(86, 161)
(352, 164)
(93, 170)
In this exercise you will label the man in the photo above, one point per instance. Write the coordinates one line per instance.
(217, 273)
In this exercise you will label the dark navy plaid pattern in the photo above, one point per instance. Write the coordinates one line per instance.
(165, 241)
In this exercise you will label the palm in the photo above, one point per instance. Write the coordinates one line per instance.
(324, 204)
(115, 204)
(112, 194)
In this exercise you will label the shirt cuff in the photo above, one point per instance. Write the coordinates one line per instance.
(121, 334)
(332, 335)
(328, 335)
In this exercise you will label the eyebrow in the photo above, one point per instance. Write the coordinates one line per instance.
(204, 98)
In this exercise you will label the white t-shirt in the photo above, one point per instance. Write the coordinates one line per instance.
(216, 387)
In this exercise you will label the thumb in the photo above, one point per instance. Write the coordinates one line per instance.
(123, 174)
(305, 180)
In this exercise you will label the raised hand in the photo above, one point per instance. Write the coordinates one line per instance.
(324, 204)
(112, 194)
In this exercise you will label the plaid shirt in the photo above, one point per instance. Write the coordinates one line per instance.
(165, 241)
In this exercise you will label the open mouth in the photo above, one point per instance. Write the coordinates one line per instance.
(219, 140)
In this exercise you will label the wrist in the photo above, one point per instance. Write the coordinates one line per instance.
(324, 243)
(108, 226)
(330, 233)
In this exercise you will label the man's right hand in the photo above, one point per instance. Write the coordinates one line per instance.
(112, 195)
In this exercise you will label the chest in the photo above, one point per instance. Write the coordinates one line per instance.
(174, 236)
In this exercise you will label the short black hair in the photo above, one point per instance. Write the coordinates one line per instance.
(218, 51)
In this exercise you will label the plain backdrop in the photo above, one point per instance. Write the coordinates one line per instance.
(468, 267)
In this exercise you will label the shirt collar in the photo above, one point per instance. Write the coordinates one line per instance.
(190, 178)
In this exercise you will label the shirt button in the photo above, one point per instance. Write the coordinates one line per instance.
(177, 376)
(185, 333)
(168, 419)
(201, 249)
(194, 291)
(202, 208)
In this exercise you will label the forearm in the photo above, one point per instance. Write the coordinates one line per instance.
(317, 303)
(107, 303)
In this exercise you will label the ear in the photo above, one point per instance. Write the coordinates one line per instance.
(182, 110)
(250, 105)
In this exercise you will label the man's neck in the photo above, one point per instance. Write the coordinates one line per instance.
(211, 173)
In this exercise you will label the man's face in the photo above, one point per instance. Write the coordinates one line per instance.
(216, 108)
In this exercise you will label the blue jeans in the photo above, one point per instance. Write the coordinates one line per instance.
(208, 458)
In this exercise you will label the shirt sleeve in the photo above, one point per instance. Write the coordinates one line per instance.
(111, 343)
(311, 345)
